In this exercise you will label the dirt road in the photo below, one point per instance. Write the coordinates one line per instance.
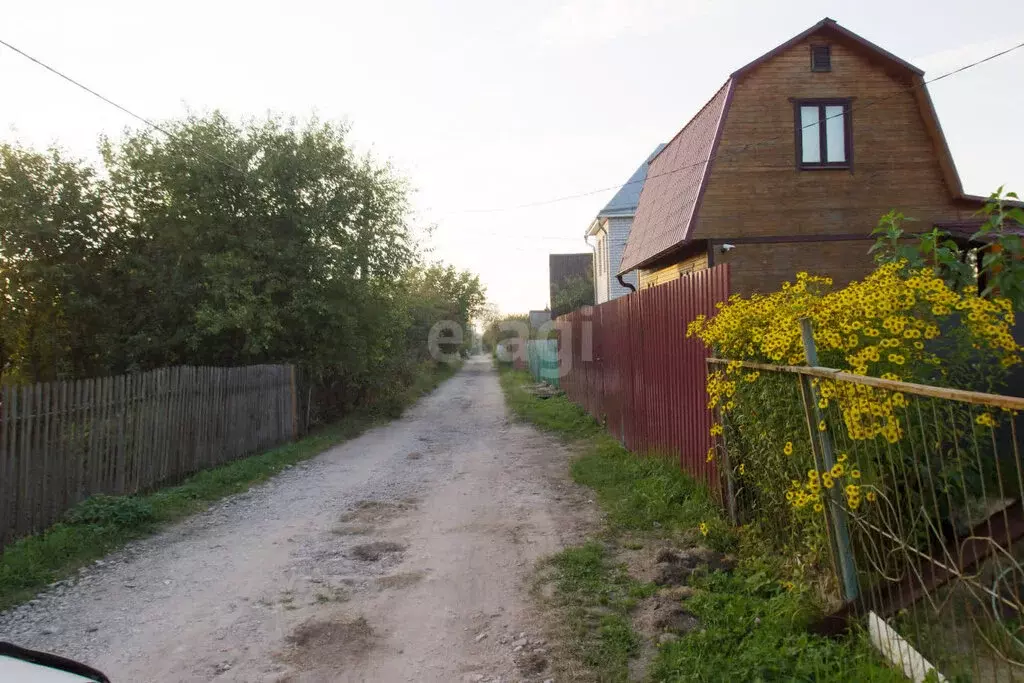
(398, 556)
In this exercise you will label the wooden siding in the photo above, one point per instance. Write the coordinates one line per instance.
(755, 189)
(764, 267)
(659, 276)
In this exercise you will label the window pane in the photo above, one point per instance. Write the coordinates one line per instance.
(809, 135)
(835, 134)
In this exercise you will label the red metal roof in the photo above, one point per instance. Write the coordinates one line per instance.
(673, 186)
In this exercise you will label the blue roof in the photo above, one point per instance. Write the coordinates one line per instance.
(626, 200)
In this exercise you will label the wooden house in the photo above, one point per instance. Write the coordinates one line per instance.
(789, 166)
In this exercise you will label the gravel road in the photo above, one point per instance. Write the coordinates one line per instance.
(401, 555)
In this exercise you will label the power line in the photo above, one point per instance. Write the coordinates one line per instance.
(745, 148)
(124, 109)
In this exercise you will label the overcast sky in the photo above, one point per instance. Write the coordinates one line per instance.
(486, 105)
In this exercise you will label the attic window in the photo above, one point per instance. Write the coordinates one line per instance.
(824, 134)
(821, 58)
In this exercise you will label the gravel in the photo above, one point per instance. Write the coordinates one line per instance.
(217, 596)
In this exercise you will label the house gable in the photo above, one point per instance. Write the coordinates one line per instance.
(755, 188)
(748, 183)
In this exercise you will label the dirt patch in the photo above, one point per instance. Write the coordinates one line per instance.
(660, 614)
(373, 552)
(674, 567)
(332, 594)
(415, 455)
(659, 619)
(353, 529)
(531, 663)
(376, 511)
(328, 645)
(402, 580)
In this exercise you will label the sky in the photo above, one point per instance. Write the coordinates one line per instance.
(485, 106)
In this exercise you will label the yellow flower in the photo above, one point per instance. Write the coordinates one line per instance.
(823, 403)
(742, 469)
(986, 419)
(826, 480)
(837, 470)
(716, 429)
(711, 454)
(842, 457)
(855, 473)
(871, 496)
(821, 426)
(703, 528)
(818, 507)
(788, 448)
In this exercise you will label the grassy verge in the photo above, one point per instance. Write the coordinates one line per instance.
(594, 596)
(102, 524)
(751, 627)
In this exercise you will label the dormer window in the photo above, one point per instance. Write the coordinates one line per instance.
(821, 58)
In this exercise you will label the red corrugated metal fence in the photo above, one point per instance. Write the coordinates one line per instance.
(633, 367)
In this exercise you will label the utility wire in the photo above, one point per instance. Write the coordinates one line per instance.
(746, 147)
(554, 200)
(114, 104)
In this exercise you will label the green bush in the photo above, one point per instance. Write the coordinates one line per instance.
(119, 511)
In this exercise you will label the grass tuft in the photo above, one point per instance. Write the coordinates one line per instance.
(102, 523)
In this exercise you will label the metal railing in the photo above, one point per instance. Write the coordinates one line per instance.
(897, 505)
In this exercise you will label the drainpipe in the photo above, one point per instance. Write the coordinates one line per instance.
(625, 284)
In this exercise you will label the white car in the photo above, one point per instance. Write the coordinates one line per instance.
(29, 666)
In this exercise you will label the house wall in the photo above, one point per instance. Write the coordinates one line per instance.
(756, 190)
(662, 274)
(601, 267)
(618, 233)
(764, 267)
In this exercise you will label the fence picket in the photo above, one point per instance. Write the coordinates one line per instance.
(6, 464)
(63, 441)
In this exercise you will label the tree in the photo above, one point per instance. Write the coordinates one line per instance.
(51, 237)
(572, 293)
(222, 244)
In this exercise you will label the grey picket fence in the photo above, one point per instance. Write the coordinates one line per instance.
(61, 442)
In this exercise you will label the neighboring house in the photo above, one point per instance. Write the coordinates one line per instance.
(790, 165)
(610, 231)
(569, 269)
(538, 318)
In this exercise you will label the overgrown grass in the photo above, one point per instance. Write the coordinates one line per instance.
(595, 595)
(752, 629)
(755, 630)
(102, 524)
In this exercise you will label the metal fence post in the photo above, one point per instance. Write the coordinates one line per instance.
(836, 511)
(730, 486)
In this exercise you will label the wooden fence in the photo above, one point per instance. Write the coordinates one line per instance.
(61, 442)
